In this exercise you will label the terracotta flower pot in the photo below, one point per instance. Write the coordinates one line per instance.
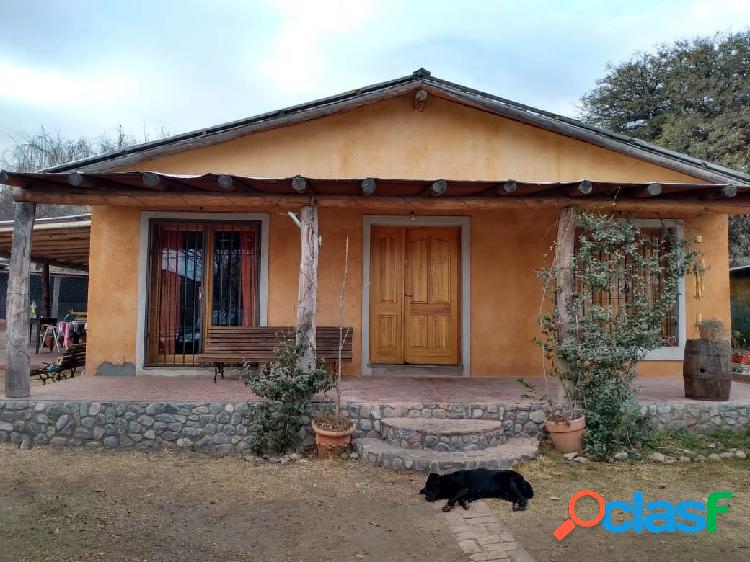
(331, 443)
(567, 437)
(741, 358)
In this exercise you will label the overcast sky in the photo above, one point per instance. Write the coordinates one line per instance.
(81, 67)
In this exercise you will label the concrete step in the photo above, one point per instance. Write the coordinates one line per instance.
(380, 453)
(442, 434)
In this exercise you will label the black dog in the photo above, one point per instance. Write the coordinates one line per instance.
(464, 486)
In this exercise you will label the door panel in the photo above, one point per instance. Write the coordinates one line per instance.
(431, 296)
(414, 296)
(386, 295)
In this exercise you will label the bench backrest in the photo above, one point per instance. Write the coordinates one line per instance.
(75, 356)
(257, 343)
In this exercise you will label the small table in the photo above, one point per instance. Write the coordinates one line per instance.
(39, 322)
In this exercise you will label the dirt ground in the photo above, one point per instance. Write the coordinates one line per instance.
(556, 480)
(94, 505)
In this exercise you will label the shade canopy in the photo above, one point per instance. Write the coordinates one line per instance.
(59, 241)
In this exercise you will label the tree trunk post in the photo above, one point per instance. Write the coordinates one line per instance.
(564, 253)
(307, 299)
(17, 382)
(45, 291)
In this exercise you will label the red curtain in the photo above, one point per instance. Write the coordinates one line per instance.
(172, 247)
(247, 276)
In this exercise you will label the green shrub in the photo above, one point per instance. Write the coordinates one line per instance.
(288, 390)
(607, 339)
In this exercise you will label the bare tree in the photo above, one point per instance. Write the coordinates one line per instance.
(38, 151)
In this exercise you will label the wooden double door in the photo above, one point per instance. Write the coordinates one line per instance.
(414, 295)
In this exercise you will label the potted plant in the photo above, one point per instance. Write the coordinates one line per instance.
(711, 329)
(566, 425)
(333, 430)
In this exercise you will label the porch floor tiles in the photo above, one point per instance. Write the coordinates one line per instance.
(373, 389)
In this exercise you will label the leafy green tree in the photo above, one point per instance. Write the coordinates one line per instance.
(692, 96)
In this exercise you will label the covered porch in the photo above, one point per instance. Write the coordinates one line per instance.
(374, 389)
(479, 218)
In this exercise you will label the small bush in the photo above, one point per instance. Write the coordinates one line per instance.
(288, 390)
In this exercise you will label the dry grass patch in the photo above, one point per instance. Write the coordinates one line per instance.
(556, 480)
(95, 505)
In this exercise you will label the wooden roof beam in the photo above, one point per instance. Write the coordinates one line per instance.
(52, 261)
(437, 188)
(150, 180)
(299, 184)
(581, 190)
(701, 192)
(369, 185)
(644, 192)
(507, 188)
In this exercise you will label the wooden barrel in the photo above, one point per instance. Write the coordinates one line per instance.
(707, 370)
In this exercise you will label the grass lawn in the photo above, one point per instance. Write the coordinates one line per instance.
(95, 505)
(555, 480)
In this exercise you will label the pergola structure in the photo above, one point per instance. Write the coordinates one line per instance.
(157, 189)
(68, 242)
(55, 241)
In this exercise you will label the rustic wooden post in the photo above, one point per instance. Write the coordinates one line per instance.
(564, 253)
(307, 299)
(17, 382)
(45, 291)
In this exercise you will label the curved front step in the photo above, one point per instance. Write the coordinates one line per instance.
(380, 453)
(442, 434)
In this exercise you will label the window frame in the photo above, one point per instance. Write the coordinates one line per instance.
(142, 366)
(673, 353)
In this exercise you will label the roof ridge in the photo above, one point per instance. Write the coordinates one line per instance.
(640, 143)
(229, 125)
(419, 77)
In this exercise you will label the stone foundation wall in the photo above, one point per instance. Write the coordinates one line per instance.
(699, 418)
(215, 427)
(228, 428)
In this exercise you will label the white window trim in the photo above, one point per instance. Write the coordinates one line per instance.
(146, 217)
(668, 353)
(368, 221)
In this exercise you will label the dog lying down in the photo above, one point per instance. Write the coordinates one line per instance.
(464, 486)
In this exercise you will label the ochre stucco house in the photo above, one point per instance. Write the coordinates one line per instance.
(467, 192)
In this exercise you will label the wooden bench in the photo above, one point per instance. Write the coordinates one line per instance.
(238, 345)
(69, 362)
(81, 315)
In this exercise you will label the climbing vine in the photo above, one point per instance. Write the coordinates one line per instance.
(609, 336)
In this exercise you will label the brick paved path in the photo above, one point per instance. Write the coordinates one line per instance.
(482, 536)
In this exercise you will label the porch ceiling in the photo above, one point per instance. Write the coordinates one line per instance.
(60, 241)
(143, 188)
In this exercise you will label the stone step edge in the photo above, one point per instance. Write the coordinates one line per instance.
(379, 453)
(443, 435)
(486, 425)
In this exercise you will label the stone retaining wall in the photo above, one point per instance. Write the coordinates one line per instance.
(215, 427)
(696, 417)
(227, 428)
